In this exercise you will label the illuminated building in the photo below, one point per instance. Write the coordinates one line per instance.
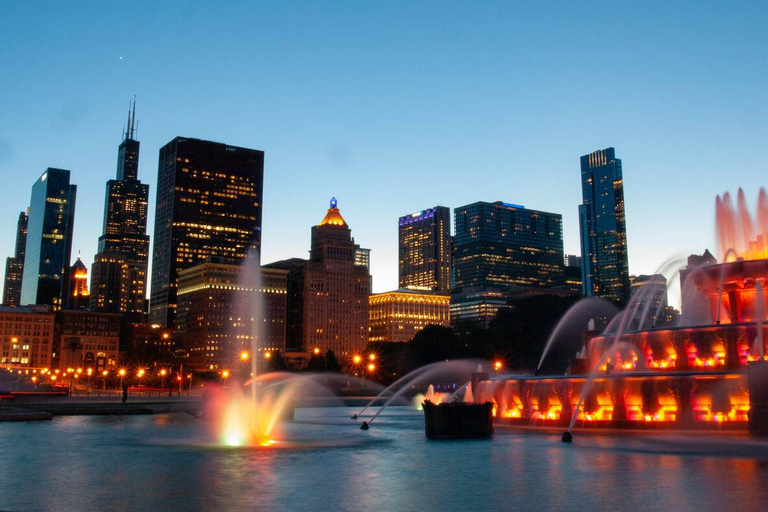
(110, 282)
(218, 316)
(605, 269)
(694, 262)
(49, 240)
(78, 285)
(501, 245)
(14, 266)
(124, 233)
(425, 250)
(650, 299)
(26, 336)
(398, 315)
(476, 304)
(328, 294)
(208, 205)
(573, 273)
(86, 339)
(363, 257)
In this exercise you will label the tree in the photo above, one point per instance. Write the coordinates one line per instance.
(431, 344)
(331, 363)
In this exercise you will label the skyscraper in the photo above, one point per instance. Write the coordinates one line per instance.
(425, 250)
(500, 245)
(14, 266)
(605, 269)
(49, 240)
(124, 233)
(328, 294)
(208, 205)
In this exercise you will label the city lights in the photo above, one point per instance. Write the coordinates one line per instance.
(244, 356)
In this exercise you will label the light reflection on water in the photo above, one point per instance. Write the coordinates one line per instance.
(94, 463)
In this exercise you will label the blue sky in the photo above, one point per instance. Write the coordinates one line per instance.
(397, 106)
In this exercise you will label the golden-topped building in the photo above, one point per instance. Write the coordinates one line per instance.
(328, 294)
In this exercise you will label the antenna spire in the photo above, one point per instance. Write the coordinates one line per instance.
(130, 127)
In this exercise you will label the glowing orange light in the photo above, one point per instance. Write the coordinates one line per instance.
(267, 355)
(371, 367)
(372, 357)
(225, 374)
(244, 356)
(316, 351)
(105, 373)
(140, 373)
(122, 372)
(163, 372)
(498, 365)
(356, 359)
(53, 377)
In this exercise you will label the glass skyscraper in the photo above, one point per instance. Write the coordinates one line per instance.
(208, 205)
(14, 266)
(124, 235)
(500, 245)
(424, 249)
(605, 268)
(49, 240)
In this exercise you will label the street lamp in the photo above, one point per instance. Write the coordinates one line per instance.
(163, 373)
(498, 365)
(244, 355)
(225, 374)
(316, 351)
(372, 357)
(104, 374)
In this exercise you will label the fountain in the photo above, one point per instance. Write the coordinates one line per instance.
(690, 376)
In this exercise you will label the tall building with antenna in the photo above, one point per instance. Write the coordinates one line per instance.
(124, 244)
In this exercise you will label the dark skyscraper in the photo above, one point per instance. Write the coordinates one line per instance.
(208, 205)
(49, 240)
(425, 250)
(605, 269)
(500, 244)
(124, 232)
(14, 266)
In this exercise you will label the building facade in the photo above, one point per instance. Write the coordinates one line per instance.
(26, 336)
(477, 305)
(209, 200)
(124, 233)
(78, 285)
(424, 250)
(602, 221)
(328, 294)
(223, 308)
(86, 339)
(398, 315)
(14, 266)
(49, 240)
(501, 245)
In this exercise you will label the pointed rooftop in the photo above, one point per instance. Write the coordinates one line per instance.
(333, 216)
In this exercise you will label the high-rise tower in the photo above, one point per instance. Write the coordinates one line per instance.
(124, 233)
(605, 267)
(425, 250)
(49, 240)
(14, 266)
(501, 244)
(208, 205)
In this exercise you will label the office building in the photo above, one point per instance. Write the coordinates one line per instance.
(328, 294)
(14, 266)
(398, 315)
(222, 308)
(208, 205)
(500, 245)
(605, 268)
(26, 336)
(86, 339)
(124, 234)
(49, 240)
(477, 305)
(424, 250)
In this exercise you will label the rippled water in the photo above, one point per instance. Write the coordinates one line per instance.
(155, 463)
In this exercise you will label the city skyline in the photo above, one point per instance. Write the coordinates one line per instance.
(504, 115)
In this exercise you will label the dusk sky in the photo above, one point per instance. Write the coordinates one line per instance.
(394, 107)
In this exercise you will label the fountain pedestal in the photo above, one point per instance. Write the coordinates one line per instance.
(458, 420)
(757, 377)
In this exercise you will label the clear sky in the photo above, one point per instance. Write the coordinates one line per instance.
(397, 106)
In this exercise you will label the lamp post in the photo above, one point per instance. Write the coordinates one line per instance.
(104, 375)
(163, 372)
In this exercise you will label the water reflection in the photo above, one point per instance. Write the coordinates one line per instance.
(94, 463)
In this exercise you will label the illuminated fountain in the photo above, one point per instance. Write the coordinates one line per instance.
(691, 376)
